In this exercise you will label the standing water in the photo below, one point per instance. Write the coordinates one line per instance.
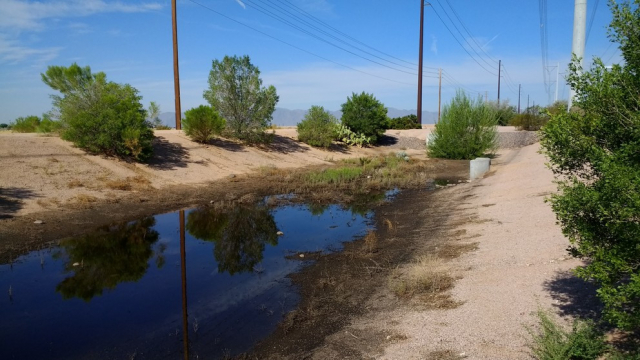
(118, 293)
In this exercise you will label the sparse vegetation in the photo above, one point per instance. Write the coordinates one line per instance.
(99, 116)
(532, 119)
(318, 128)
(504, 112)
(27, 124)
(467, 130)
(404, 122)
(236, 91)
(364, 115)
(427, 276)
(201, 124)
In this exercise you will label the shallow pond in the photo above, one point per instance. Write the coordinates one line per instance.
(118, 293)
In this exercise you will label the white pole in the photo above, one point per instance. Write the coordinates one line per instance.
(579, 33)
(557, 78)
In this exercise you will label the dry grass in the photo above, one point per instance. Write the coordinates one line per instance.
(128, 184)
(83, 199)
(444, 355)
(455, 250)
(389, 224)
(429, 279)
(75, 183)
(370, 243)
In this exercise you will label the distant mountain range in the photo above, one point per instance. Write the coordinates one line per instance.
(287, 117)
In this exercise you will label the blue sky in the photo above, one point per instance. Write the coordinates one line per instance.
(131, 42)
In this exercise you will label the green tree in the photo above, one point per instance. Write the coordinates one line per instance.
(365, 115)
(154, 113)
(318, 128)
(504, 112)
(236, 91)
(27, 124)
(466, 130)
(240, 234)
(404, 122)
(102, 260)
(595, 151)
(99, 116)
(202, 123)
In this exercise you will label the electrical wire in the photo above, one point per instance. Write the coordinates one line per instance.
(593, 16)
(294, 46)
(469, 32)
(459, 43)
(464, 37)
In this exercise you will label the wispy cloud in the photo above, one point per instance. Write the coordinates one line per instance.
(11, 52)
(241, 4)
(434, 44)
(28, 15)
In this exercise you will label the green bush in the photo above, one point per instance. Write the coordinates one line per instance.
(529, 121)
(552, 342)
(4, 126)
(202, 123)
(595, 151)
(48, 126)
(364, 115)
(318, 128)
(467, 129)
(404, 122)
(98, 116)
(236, 92)
(350, 138)
(27, 124)
(504, 112)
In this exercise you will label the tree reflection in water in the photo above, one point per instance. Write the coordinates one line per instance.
(104, 259)
(239, 234)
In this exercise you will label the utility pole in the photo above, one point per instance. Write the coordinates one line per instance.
(499, 68)
(422, 4)
(557, 79)
(519, 91)
(486, 96)
(579, 30)
(527, 102)
(176, 72)
(439, 92)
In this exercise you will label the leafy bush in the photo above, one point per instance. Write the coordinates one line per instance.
(318, 128)
(403, 123)
(595, 151)
(236, 91)
(27, 124)
(4, 126)
(99, 116)
(529, 121)
(364, 115)
(47, 125)
(552, 342)
(467, 129)
(202, 123)
(504, 112)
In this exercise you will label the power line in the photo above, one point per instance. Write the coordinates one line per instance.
(294, 46)
(455, 13)
(285, 21)
(593, 16)
(459, 43)
(315, 19)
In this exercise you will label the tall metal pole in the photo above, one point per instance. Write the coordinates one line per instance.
(420, 63)
(557, 79)
(579, 31)
(176, 72)
(519, 91)
(439, 92)
(499, 68)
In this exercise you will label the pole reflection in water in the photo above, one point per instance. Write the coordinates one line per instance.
(183, 268)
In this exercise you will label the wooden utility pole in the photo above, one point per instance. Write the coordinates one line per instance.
(519, 91)
(499, 68)
(176, 72)
(420, 63)
(439, 92)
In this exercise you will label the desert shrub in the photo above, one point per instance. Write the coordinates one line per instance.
(552, 342)
(557, 108)
(236, 91)
(364, 115)
(318, 128)
(595, 153)
(529, 121)
(504, 112)
(100, 116)
(27, 124)
(466, 130)
(4, 126)
(47, 125)
(202, 123)
(404, 122)
(163, 127)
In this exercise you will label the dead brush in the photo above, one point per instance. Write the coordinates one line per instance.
(370, 243)
(121, 184)
(83, 199)
(428, 275)
(75, 183)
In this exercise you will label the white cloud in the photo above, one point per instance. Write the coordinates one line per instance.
(11, 52)
(241, 4)
(28, 15)
(434, 44)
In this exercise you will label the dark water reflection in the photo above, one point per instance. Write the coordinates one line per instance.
(117, 293)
